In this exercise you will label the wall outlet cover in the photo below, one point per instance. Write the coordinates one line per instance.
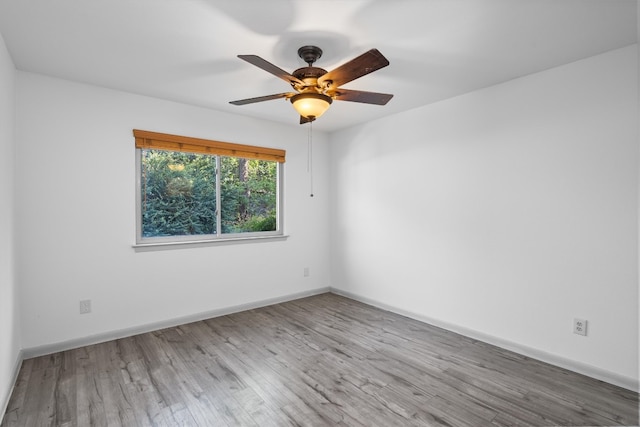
(85, 306)
(580, 327)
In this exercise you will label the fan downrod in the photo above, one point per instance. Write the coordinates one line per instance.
(310, 54)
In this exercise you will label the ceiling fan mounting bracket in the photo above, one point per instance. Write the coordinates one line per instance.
(310, 54)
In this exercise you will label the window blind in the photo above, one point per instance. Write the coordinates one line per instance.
(162, 141)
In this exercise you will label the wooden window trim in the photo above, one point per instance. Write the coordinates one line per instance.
(162, 141)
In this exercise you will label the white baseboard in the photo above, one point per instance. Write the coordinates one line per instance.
(28, 353)
(572, 365)
(14, 380)
(553, 359)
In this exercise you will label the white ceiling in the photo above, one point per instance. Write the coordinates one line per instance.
(185, 50)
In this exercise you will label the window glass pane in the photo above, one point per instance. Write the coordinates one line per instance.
(249, 196)
(178, 193)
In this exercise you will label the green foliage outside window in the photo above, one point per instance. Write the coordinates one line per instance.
(179, 194)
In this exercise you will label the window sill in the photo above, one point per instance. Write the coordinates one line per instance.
(157, 246)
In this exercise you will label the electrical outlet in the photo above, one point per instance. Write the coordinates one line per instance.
(306, 272)
(85, 306)
(580, 327)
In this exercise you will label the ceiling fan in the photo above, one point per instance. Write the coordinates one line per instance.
(315, 88)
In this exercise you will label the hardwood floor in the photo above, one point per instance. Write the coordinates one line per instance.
(318, 361)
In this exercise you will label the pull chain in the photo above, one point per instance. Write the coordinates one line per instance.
(310, 158)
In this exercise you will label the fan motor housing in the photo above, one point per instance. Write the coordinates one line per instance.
(308, 72)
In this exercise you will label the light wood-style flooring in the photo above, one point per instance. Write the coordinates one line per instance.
(319, 361)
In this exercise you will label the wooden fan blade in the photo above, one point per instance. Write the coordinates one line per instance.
(304, 120)
(270, 68)
(364, 64)
(262, 98)
(360, 96)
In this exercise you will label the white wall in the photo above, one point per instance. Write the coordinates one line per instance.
(9, 312)
(75, 197)
(505, 212)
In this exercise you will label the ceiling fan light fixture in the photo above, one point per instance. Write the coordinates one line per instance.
(311, 105)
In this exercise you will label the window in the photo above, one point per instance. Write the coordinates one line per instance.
(193, 189)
